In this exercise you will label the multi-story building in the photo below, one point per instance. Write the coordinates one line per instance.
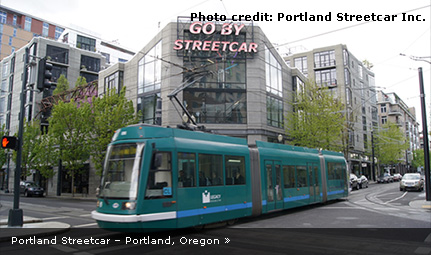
(67, 60)
(87, 40)
(348, 79)
(242, 95)
(18, 28)
(393, 109)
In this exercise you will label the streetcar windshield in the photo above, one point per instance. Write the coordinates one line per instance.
(121, 171)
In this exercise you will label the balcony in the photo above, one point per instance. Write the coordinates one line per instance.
(325, 64)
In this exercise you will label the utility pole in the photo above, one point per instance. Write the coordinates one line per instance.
(425, 134)
(424, 126)
(373, 164)
(16, 215)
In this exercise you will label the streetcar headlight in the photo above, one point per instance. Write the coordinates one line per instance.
(128, 205)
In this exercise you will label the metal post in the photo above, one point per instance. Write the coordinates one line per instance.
(16, 214)
(425, 134)
(373, 164)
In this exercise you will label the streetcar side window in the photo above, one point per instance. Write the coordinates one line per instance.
(235, 170)
(186, 170)
(302, 180)
(159, 184)
(289, 176)
(210, 170)
(336, 175)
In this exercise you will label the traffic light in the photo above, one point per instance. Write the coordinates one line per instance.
(9, 142)
(44, 75)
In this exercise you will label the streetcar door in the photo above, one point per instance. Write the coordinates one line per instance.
(274, 191)
(313, 173)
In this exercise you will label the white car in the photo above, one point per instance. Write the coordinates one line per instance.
(363, 182)
(412, 181)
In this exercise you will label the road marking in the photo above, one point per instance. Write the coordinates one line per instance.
(395, 199)
(85, 215)
(85, 225)
(56, 218)
(428, 239)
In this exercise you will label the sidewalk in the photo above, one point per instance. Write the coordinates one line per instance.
(31, 227)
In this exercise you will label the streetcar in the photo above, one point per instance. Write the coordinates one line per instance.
(158, 177)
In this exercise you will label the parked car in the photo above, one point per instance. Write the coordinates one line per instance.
(363, 182)
(29, 188)
(385, 178)
(354, 182)
(412, 181)
(397, 177)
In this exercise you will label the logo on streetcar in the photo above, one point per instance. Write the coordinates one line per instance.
(208, 198)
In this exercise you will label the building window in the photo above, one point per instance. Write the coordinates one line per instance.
(326, 78)
(346, 76)
(45, 29)
(345, 57)
(149, 80)
(86, 43)
(90, 63)
(273, 74)
(151, 109)
(57, 54)
(149, 70)
(216, 105)
(27, 25)
(384, 120)
(274, 102)
(58, 32)
(301, 64)
(3, 16)
(14, 20)
(324, 59)
(274, 111)
(114, 81)
(383, 108)
(10, 40)
(57, 71)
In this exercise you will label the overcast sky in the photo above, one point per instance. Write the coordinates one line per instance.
(133, 23)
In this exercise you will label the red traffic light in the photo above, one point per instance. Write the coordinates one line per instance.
(9, 142)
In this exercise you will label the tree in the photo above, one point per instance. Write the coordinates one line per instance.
(62, 85)
(110, 113)
(29, 149)
(419, 158)
(317, 119)
(70, 130)
(81, 81)
(46, 157)
(391, 144)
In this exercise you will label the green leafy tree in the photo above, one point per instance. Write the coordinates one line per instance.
(110, 112)
(70, 129)
(419, 158)
(62, 85)
(47, 156)
(29, 149)
(391, 144)
(317, 119)
(81, 81)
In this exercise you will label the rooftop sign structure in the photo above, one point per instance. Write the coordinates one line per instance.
(210, 39)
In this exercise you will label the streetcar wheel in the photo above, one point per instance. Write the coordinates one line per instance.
(231, 222)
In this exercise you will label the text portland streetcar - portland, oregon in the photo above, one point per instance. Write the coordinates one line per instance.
(156, 177)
